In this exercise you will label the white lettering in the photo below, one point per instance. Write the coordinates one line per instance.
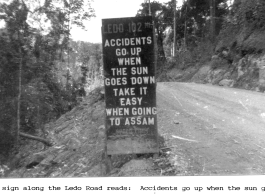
(106, 43)
(130, 101)
(149, 40)
(117, 111)
(115, 81)
(129, 61)
(127, 41)
(119, 71)
(144, 111)
(139, 70)
(140, 121)
(121, 52)
(113, 28)
(112, 42)
(120, 60)
(115, 121)
(143, 90)
(124, 92)
(142, 80)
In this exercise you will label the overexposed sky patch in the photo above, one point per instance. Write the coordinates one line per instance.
(108, 9)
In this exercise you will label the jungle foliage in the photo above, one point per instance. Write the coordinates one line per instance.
(42, 71)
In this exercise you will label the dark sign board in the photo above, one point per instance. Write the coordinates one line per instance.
(130, 86)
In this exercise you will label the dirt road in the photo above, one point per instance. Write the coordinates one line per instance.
(211, 130)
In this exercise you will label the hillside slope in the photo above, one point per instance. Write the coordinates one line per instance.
(78, 149)
(79, 143)
(224, 66)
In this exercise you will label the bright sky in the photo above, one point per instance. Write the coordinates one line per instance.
(108, 9)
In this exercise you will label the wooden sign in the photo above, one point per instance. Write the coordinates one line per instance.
(130, 86)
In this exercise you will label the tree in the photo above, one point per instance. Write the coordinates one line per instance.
(157, 13)
(193, 20)
(89, 60)
(30, 48)
(16, 15)
(242, 30)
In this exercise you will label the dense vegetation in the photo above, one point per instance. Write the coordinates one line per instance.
(201, 32)
(192, 23)
(43, 73)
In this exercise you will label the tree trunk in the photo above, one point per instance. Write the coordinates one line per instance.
(185, 29)
(40, 139)
(212, 13)
(19, 97)
(174, 26)
(160, 48)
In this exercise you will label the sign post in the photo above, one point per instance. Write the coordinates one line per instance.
(130, 86)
